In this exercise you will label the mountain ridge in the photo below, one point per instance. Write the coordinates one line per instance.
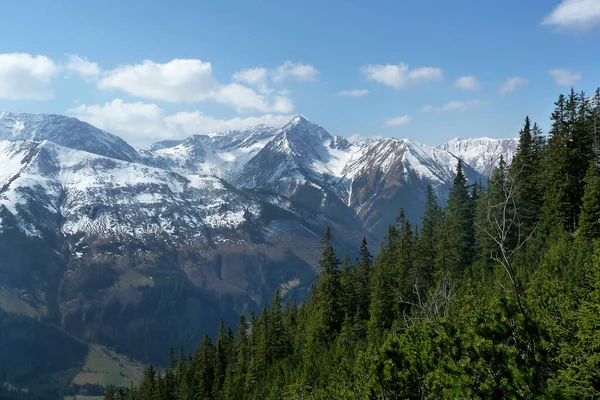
(300, 161)
(129, 248)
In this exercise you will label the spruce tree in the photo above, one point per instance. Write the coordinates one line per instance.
(203, 369)
(589, 222)
(570, 150)
(424, 263)
(384, 286)
(348, 289)
(220, 360)
(236, 381)
(253, 371)
(596, 128)
(524, 173)
(404, 258)
(556, 180)
(363, 274)
(148, 388)
(278, 343)
(457, 240)
(327, 316)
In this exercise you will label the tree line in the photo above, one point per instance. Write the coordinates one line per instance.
(495, 295)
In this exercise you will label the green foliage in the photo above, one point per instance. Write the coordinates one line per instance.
(589, 221)
(496, 296)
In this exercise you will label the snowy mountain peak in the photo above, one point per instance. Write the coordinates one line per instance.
(298, 119)
(67, 132)
(91, 177)
(299, 129)
(481, 153)
(217, 155)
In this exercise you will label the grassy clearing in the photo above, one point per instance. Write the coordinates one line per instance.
(106, 367)
(133, 279)
(11, 302)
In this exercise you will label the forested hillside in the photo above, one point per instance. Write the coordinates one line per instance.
(495, 296)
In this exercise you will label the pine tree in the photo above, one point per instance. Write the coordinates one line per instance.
(556, 182)
(348, 289)
(404, 258)
(384, 286)
(148, 388)
(455, 248)
(581, 152)
(596, 128)
(327, 317)
(524, 172)
(160, 391)
(110, 393)
(278, 343)
(290, 324)
(425, 248)
(220, 360)
(363, 274)
(570, 150)
(253, 371)
(484, 244)
(236, 374)
(589, 222)
(203, 369)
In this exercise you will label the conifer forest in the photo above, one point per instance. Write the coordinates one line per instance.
(495, 295)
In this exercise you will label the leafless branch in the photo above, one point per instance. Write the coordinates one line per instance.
(436, 305)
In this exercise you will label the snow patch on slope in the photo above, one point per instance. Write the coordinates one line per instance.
(482, 154)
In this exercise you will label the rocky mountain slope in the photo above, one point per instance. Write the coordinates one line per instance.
(130, 248)
(482, 154)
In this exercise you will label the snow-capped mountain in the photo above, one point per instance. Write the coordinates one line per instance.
(69, 166)
(217, 154)
(482, 154)
(369, 180)
(68, 132)
(394, 173)
(301, 154)
(85, 193)
(304, 163)
(97, 236)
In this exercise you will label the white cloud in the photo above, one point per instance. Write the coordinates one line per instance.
(563, 77)
(575, 14)
(355, 137)
(512, 84)
(142, 124)
(252, 76)
(23, 76)
(245, 99)
(397, 121)
(354, 92)
(138, 123)
(192, 81)
(83, 67)
(401, 76)
(176, 81)
(298, 71)
(194, 122)
(467, 83)
(453, 106)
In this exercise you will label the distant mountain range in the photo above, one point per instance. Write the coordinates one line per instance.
(133, 248)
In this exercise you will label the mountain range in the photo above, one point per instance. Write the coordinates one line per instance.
(103, 243)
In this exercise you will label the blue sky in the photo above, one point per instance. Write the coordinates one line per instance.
(422, 69)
